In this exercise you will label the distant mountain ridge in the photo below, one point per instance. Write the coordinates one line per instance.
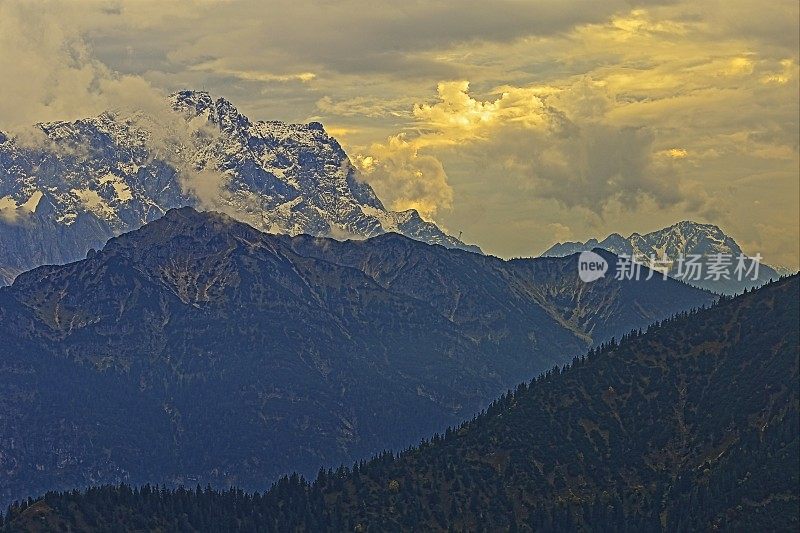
(86, 181)
(197, 349)
(681, 239)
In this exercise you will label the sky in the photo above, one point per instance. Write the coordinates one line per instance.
(518, 123)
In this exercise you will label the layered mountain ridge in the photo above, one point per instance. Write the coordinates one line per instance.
(76, 184)
(198, 349)
(689, 426)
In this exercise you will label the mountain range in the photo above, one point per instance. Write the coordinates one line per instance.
(683, 239)
(189, 297)
(692, 425)
(198, 349)
(68, 187)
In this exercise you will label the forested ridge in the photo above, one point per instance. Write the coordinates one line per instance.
(689, 425)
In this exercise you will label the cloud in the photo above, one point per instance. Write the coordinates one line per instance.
(457, 116)
(784, 75)
(217, 66)
(674, 153)
(49, 72)
(181, 141)
(556, 87)
(775, 244)
(365, 106)
(208, 186)
(528, 144)
(405, 178)
(385, 37)
(560, 232)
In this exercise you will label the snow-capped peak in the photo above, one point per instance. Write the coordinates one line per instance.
(101, 176)
(682, 239)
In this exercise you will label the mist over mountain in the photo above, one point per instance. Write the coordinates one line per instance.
(200, 350)
(67, 187)
(685, 239)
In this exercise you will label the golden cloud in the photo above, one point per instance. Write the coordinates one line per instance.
(457, 116)
(569, 104)
(572, 156)
(674, 153)
(219, 67)
(405, 178)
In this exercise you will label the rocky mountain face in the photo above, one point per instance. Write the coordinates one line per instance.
(198, 349)
(689, 426)
(682, 239)
(492, 296)
(73, 185)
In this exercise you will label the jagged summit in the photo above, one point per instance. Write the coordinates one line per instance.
(219, 110)
(91, 179)
(683, 238)
(693, 224)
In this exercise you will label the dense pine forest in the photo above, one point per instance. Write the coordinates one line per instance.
(690, 425)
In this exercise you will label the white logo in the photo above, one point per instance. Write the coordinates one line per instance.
(591, 266)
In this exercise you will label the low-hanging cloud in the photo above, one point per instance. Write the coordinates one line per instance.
(405, 178)
(49, 73)
(182, 141)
